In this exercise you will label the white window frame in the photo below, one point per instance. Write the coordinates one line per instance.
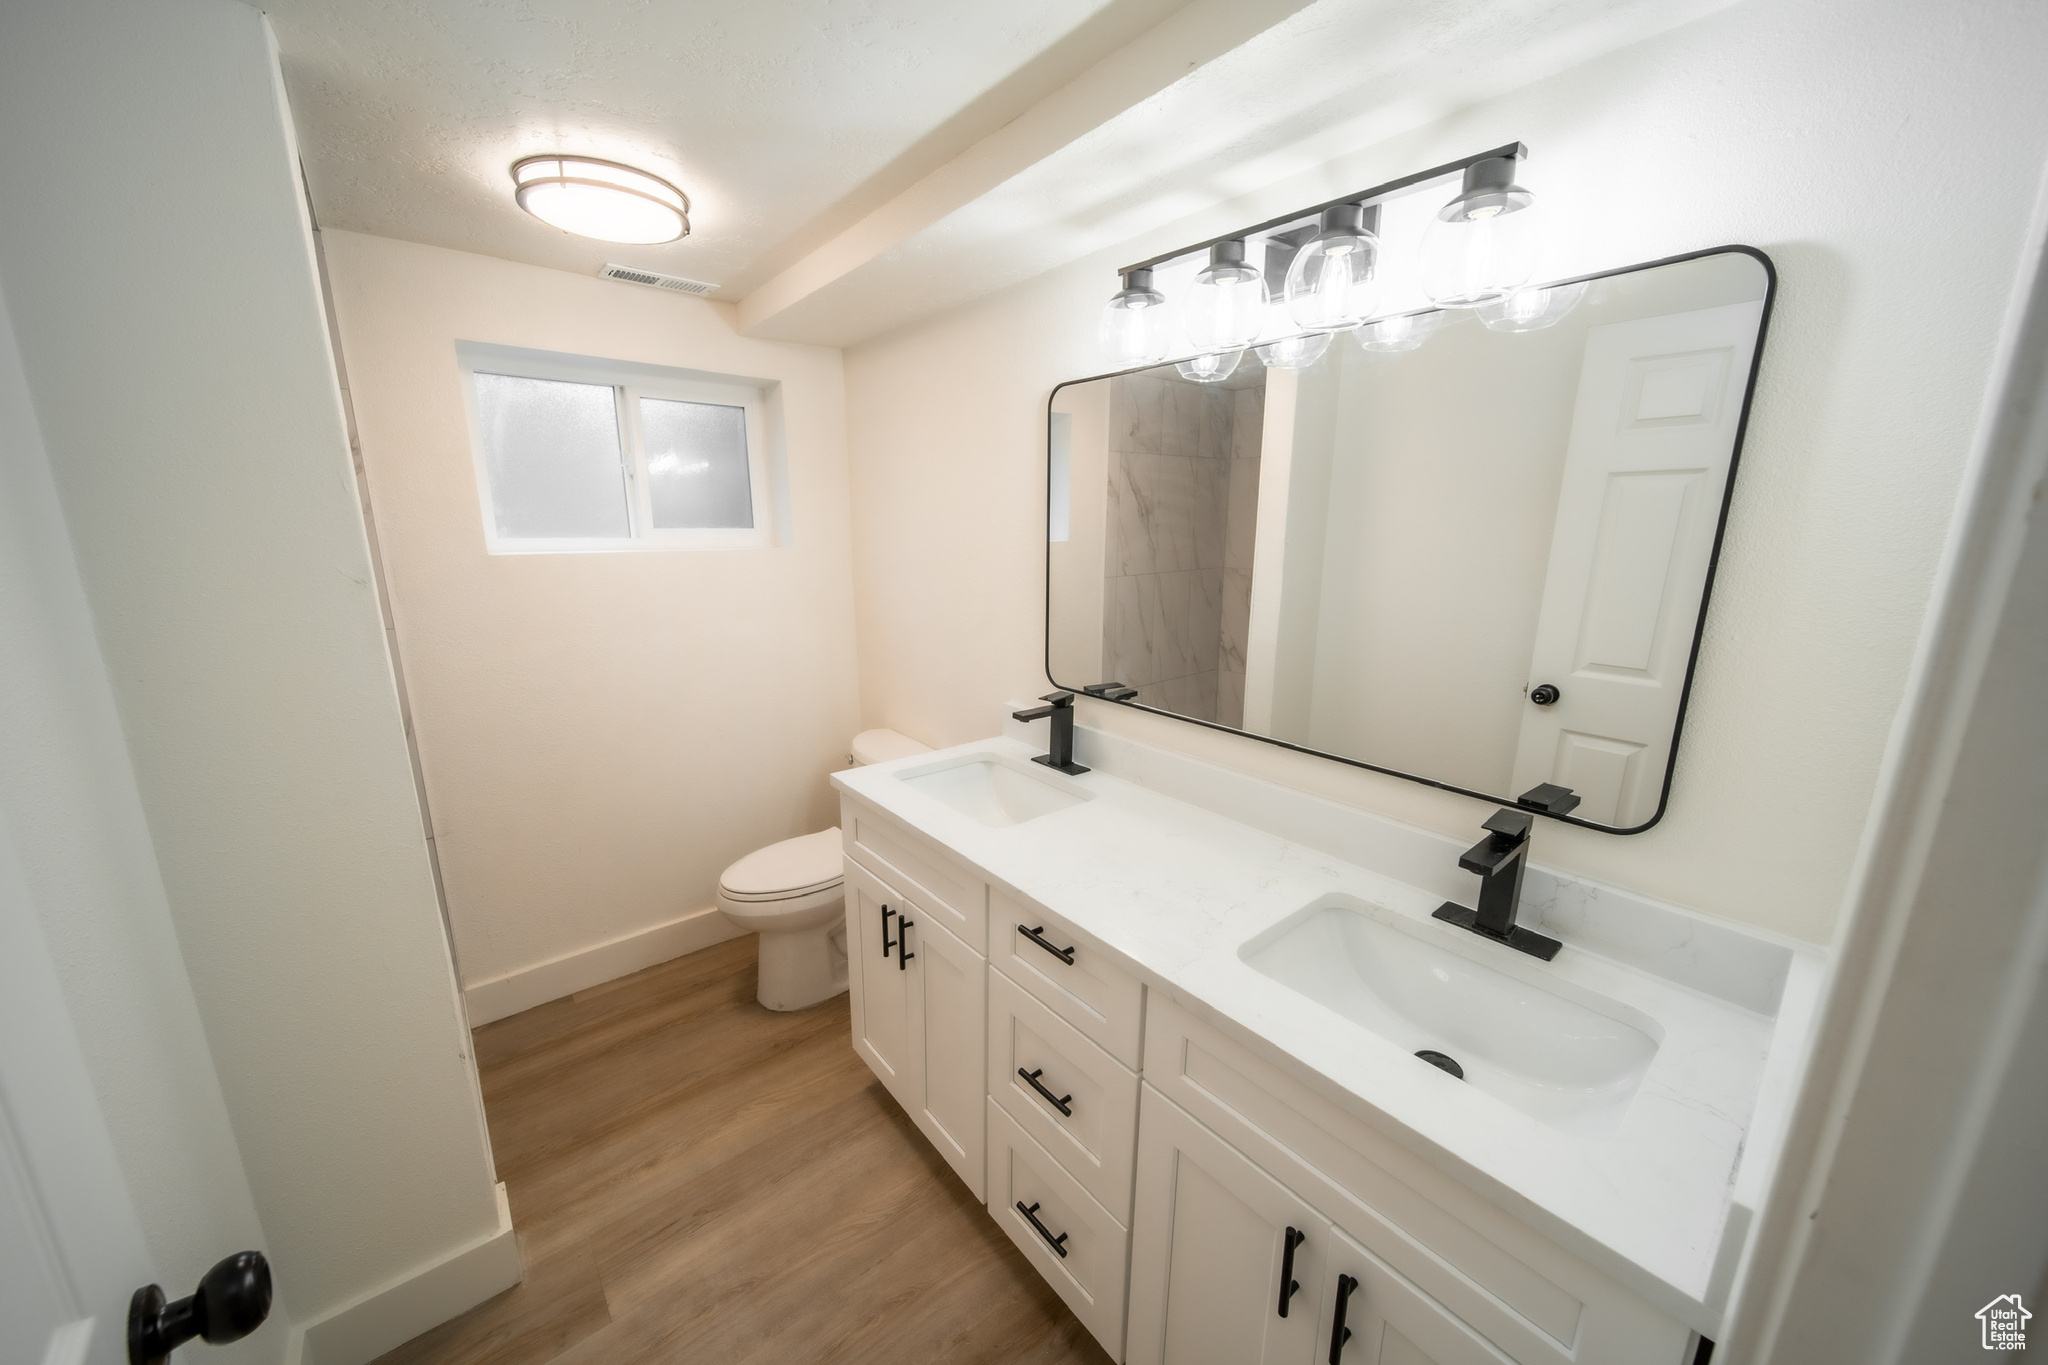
(629, 383)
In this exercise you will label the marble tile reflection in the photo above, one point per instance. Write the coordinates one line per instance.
(1241, 517)
(1234, 619)
(1230, 698)
(1247, 422)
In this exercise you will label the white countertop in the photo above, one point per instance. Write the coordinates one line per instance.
(1174, 889)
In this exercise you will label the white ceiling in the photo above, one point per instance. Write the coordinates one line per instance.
(855, 164)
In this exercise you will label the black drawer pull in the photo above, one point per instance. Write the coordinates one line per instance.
(886, 945)
(1059, 1102)
(1339, 1333)
(1058, 1244)
(903, 953)
(1037, 936)
(1288, 1284)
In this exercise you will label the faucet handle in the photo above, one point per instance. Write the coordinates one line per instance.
(1059, 698)
(1510, 826)
(1549, 798)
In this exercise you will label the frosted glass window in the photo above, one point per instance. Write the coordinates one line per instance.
(552, 454)
(697, 473)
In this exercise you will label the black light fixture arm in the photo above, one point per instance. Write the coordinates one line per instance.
(1513, 151)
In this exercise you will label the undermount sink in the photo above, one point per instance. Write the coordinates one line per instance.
(1559, 1053)
(990, 790)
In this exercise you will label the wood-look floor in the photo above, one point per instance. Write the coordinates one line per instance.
(696, 1178)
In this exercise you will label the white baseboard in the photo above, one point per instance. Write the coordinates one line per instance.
(368, 1326)
(492, 1000)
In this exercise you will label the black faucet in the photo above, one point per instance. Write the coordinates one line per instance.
(1500, 860)
(1062, 713)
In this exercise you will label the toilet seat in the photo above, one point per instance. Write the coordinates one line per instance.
(794, 869)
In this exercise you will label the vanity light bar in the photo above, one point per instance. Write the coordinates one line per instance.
(1514, 150)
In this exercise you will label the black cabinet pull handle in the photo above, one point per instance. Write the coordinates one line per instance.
(1037, 936)
(1059, 1102)
(1058, 1244)
(1288, 1284)
(903, 953)
(886, 945)
(1339, 1333)
(232, 1301)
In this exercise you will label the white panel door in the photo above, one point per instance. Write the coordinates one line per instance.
(71, 1249)
(881, 989)
(1385, 1319)
(1213, 1240)
(950, 1000)
(1653, 432)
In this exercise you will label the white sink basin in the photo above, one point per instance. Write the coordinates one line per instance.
(1556, 1051)
(993, 790)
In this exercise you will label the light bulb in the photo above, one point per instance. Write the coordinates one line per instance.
(1403, 333)
(1296, 352)
(1134, 326)
(1212, 368)
(1483, 243)
(601, 199)
(1227, 306)
(1334, 279)
(1530, 310)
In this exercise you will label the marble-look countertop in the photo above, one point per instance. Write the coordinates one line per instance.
(1173, 890)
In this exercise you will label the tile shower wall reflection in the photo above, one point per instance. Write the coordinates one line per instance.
(1183, 505)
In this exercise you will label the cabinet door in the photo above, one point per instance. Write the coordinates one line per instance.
(883, 995)
(1213, 1239)
(1386, 1320)
(949, 984)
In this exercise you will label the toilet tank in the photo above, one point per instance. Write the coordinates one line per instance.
(879, 746)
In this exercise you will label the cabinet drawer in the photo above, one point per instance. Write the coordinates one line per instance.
(1096, 1136)
(1074, 979)
(1082, 1251)
(951, 893)
(1458, 1249)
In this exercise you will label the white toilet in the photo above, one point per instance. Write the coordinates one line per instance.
(789, 893)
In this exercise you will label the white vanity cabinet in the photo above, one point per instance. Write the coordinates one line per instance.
(1165, 1179)
(919, 1000)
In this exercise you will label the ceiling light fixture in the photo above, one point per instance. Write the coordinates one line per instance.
(1402, 333)
(1295, 352)
(601, 199)
(1530, 310)
(1212, 368)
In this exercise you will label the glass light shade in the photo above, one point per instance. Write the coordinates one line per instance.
(601, 199)
(1334, 279)
(1531, 310)
(1213, 368)
(1295, 353)
(1403, 333)
(1483, 243)
(1226, 307)
(1134, 328)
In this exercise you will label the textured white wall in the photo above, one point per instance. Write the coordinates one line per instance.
(1883, 152)
(601, 734)
(159, 271)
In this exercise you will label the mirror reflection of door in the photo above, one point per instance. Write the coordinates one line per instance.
(1381, 556)
(1653, 432)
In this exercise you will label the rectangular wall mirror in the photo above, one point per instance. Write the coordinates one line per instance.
(1480, 562)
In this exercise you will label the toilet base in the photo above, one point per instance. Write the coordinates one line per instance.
(801, 968)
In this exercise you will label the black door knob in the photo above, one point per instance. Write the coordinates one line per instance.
(1543, 694)
(232, 1301)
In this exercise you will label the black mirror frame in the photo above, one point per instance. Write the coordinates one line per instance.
(1706, 587)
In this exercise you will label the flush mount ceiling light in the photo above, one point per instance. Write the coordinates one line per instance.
(601, 199)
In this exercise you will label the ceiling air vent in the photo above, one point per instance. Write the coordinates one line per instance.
(676, 282)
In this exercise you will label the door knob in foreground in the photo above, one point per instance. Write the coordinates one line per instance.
(232, 1300)
(1543, 694)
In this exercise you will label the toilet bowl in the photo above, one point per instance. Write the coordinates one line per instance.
(790, 894)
